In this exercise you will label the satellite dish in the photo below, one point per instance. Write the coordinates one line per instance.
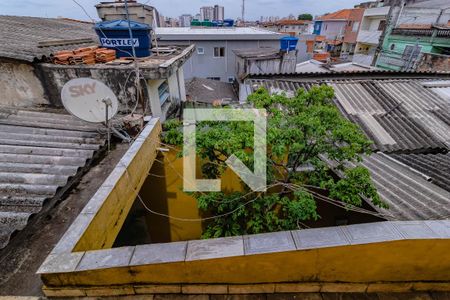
(90, 100)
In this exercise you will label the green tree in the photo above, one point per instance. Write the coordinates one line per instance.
(308, 17)
(304, 134)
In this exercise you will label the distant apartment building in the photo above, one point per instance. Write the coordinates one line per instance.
(340, 30)
(219, 13)
(185, 20)
(214, 57)
(417, 37)
(207, 13)
(372, 26)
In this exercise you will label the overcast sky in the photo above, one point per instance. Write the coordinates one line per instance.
(174, 8)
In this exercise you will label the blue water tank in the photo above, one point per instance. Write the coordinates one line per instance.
(228, 22)
(115, 35)
(288, 43)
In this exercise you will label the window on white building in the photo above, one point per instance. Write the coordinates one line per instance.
(200, 50)
(382, 25)
(163, 91)
(219, 51)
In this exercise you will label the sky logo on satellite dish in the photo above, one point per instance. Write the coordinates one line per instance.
(89, 100)
(108, 42)
(82, 90)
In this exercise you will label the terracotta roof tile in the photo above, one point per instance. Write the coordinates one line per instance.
(342, 14)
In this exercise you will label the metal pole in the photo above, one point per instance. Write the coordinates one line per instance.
(108, 128)
(108, 103)
(136, 66)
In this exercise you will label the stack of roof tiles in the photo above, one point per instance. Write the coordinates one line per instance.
(84, 56)
(409, 122)
(105, 55)
(40, 153)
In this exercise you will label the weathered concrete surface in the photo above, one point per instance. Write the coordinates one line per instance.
(19, 85)
(119, 79)
(21, 259)
(434, 62)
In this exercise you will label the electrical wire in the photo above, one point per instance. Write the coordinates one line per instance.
(137, 71)
(307, 188)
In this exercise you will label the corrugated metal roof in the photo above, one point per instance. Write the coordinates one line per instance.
(39, 153)
(436, 166)
(352, 74)
(399, 115)
(406, 112)
(21, 36)
(408, 194)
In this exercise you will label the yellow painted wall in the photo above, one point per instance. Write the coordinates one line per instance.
(163, 193)
(397, 261)
(104, 228)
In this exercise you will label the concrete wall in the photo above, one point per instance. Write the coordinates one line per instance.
(413, 15)
(19, 85)
(434, 62)
(56, 76)
(206, 65)
(121, 84)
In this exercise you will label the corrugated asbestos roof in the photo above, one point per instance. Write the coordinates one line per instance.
(398, 115)
(40, 152)
(21, 36)
(408, 194)
(435, 166)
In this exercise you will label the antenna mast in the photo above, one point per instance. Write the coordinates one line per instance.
(243, 12)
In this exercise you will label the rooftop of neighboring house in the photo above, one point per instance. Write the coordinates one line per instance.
(217, 93)
(31, 38)
(293, 22)
(215, 33)
(44, 39)
(314, 66)
(406, 116)
(262, 53)
(43, 153)
(340, 15)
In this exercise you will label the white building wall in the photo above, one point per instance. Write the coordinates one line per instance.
(207, 66)
(155, 105)
(333, 30)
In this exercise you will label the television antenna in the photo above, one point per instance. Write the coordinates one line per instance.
(243, 12)
(91, 101)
